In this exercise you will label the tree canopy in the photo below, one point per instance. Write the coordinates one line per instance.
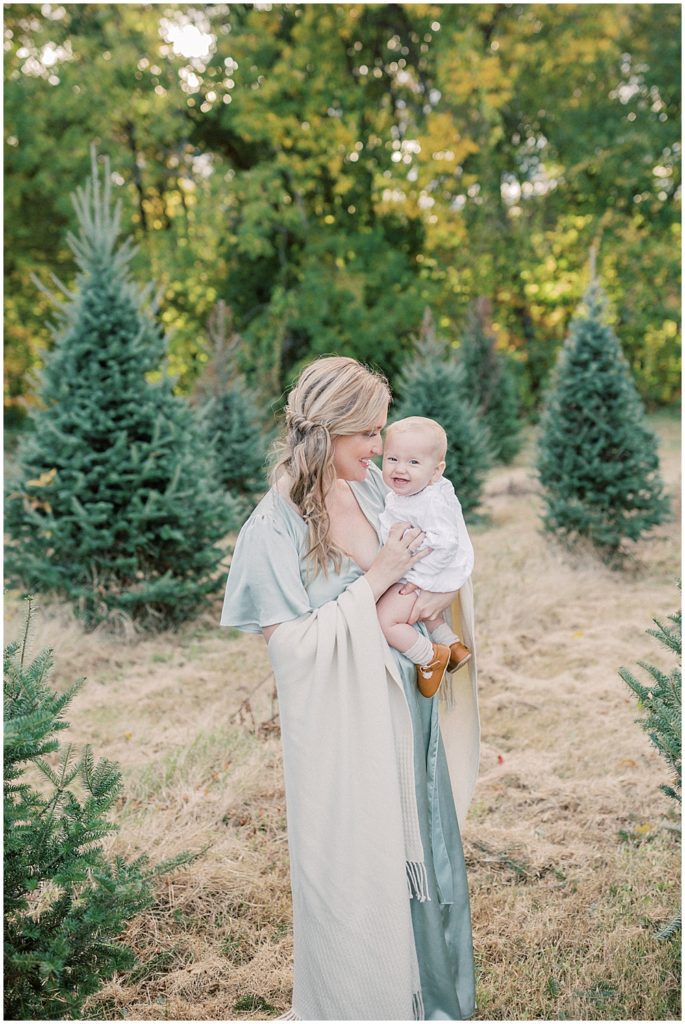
(331, 170)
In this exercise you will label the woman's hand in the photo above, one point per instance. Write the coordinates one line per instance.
(396, 557)
(427, 604)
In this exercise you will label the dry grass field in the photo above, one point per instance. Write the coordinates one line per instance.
(573, 852)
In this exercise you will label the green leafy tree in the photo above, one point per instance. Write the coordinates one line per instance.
(597, 458)
(114, 503)
(491, 384)
(433, 384)
(66, 901)
(332, 168)
(534, 183)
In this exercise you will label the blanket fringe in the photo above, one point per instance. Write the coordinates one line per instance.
(416, 1005)
(445, 693)
(417, 880)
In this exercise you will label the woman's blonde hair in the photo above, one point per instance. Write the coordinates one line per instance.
(333, 396)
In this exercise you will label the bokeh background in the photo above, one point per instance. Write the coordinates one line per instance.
(330, 170)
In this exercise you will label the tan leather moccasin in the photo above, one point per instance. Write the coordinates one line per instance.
(431, 675)
(459, 655)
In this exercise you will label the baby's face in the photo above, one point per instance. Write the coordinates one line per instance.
(409, 462)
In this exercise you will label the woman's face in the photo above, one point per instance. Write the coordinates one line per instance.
(353, 452)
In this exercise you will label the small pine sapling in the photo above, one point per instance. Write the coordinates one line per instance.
(66, 901)
(597, 458)
(661, 700)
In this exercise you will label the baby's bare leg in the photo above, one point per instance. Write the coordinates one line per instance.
(393, 611)
(433, 624)
(439, 631)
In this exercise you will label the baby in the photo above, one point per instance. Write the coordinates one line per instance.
(413, 461)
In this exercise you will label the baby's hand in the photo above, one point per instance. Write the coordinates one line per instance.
(408, 588)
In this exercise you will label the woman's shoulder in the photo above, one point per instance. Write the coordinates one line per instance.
(265, 509)
(264, 583)
(273, 513)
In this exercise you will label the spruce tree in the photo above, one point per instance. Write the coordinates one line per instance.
(490, 382)
(66, 902)
(115, 503)
(661, 700)
(230, 421)
(229, 416)
(433, 384)
(597, 459)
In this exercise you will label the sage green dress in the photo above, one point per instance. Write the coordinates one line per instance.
(266, 585)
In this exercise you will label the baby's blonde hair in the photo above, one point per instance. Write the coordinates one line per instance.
(430, 428)
(333, 396)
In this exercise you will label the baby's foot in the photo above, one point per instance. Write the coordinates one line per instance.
(430, 676)
(459, 655)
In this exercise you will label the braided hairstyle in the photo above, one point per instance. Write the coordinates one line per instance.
(333, 396)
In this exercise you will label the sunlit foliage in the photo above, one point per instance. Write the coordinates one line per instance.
(330, 170)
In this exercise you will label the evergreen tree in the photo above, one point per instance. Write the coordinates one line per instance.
(230, 421)
(229, 416)
(65, 901)
(661, 699)
(597, 458)
(434, 385)
(490, 382)
(115, 503)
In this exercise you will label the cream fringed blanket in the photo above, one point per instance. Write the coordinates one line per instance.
(458, 707)
(353, 830)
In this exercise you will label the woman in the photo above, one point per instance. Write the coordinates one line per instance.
(380, 905)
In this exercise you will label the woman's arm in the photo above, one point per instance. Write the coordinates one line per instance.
(389, 565)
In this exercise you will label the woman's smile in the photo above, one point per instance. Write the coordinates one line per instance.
(352, 453)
